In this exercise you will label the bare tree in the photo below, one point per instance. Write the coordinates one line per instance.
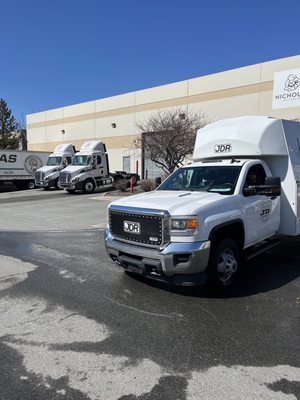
(168, 137)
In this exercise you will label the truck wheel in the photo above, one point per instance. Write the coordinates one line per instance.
(88, 186)
(30, 185)
(223, 265)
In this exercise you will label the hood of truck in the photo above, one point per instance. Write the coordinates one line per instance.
(47, 169)
(175, 202)
(76, 169)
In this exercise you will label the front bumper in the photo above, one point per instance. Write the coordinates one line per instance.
(72, 185)
(46, 184)
(178, 263)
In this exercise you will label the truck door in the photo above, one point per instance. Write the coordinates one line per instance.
(262, 213)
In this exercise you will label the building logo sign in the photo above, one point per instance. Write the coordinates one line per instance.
(286, 91)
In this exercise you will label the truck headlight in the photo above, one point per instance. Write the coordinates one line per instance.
(74, 180)
(187, 225)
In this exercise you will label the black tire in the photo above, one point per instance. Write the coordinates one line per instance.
(23, 184)
(20, 185)
(116, 182)
(31, 185)
(224, 265)
(88, 186)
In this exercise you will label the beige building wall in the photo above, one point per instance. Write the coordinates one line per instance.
(242, 91)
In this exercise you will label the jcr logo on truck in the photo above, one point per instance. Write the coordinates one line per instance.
(265, 212)
(222, 148)
(132, 227)
(8, 159)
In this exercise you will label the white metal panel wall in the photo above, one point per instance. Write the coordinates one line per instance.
(79, 109)
(79, 130)
(125, 125)
(162, 93)
(38, 135)
(115, 102)
(39, 117)
(225, 80)
(115, 157)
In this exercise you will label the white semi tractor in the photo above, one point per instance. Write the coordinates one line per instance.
(200, 223)
(48, 175)
(90, 170)
(19, 167)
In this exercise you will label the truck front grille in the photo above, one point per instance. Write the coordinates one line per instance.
(144, 228)
(39, 176)
(65, 177)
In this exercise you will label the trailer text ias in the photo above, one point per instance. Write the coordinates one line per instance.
(19, 166)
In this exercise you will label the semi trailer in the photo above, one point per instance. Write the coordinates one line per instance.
(19, 167)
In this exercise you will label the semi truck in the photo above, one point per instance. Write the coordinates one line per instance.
(19, 167)
(47, 176)
(90, 170)
(207, 217)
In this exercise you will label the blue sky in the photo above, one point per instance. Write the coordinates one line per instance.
(60, 52)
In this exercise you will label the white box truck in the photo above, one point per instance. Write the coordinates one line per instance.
(200, 223)
(48, 175)
(19, 167)
(90, 170)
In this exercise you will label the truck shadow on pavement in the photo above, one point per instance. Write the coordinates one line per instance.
(269, 271)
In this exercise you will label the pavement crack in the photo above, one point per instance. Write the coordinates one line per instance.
(169, 316)
(68, 316)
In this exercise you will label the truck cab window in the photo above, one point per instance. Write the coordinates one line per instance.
(203, 179)
(53, 161)
(255, 176)
(81, 160)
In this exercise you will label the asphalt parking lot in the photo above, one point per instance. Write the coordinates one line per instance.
(74, 326)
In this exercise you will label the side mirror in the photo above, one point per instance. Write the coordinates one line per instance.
(271, 188)
(157, 181)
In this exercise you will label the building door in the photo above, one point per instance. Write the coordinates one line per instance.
(126, 163)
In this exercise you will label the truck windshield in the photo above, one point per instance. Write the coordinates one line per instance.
(81, 160)
(203, 179)
(54, 161)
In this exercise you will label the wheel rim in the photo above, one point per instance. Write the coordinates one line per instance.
(31, 185)
(89, 186)
(227, 265)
